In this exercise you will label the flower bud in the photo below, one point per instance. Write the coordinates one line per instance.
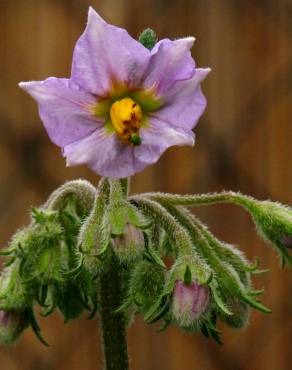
(189, 303)
(240, 313)
(13, 293)
(130, 244)
(146, 284)
(12, 324)
(274, 223)
(148, 38)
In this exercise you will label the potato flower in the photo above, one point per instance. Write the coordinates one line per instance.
(124, 104)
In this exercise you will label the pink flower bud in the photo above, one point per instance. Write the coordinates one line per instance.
(12, 323)
(189, 302)
(130, 244)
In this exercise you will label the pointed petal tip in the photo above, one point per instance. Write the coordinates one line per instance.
(190, 40)
(201, 73)
(27, 86)
(31, 87)
(204, 71)
(91, 11)
(187, 41)
(22, 85)
(93, 16)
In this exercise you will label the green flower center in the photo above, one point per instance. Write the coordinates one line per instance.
(125, 111)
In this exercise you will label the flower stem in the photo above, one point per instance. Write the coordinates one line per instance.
(125, 184)
(201, 199)
(113, 323)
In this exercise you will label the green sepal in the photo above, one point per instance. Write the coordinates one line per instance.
(35, 326)
(254, 266)
(122, 213)
(157, 310)
(255, 304)
(208, 329)
(216, 336)
(188, 276)
(93, 311)
(219, 302)
(124, 306)
(76, 270)
(70, 301)
(117, 218)
(42, 295)
(204, 330)
(10, 261)
(151, 254)
(256, 293)
(49, 309)
(6, 251)
(165, 324)
(259, 272)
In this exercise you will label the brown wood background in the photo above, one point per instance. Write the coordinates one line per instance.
(243, 143)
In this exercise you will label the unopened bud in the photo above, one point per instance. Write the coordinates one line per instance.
(148, 38)
(146, 284)
(274, 222)
(240, 314)
(130, 244)
(189, 303)
(12, 324)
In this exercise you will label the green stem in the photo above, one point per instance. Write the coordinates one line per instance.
(125, 184)
(81, 190)
(201, 199)
(168, 222)
(113, 323)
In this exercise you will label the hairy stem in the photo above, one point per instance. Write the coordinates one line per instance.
(113, 324)
(168, 222)
(125, 184)
(201, 199)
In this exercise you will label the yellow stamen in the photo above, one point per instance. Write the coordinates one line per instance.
(126, 117)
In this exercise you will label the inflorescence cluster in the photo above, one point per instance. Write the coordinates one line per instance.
(167, 263)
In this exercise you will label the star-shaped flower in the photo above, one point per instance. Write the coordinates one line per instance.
(123, 105)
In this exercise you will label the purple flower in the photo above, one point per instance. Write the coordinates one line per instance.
(189, 302)
(123, 105)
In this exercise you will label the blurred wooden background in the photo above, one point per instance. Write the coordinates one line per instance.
(243, 143)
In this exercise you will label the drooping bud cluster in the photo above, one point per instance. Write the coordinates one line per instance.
(41, 258)
(170, 267)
